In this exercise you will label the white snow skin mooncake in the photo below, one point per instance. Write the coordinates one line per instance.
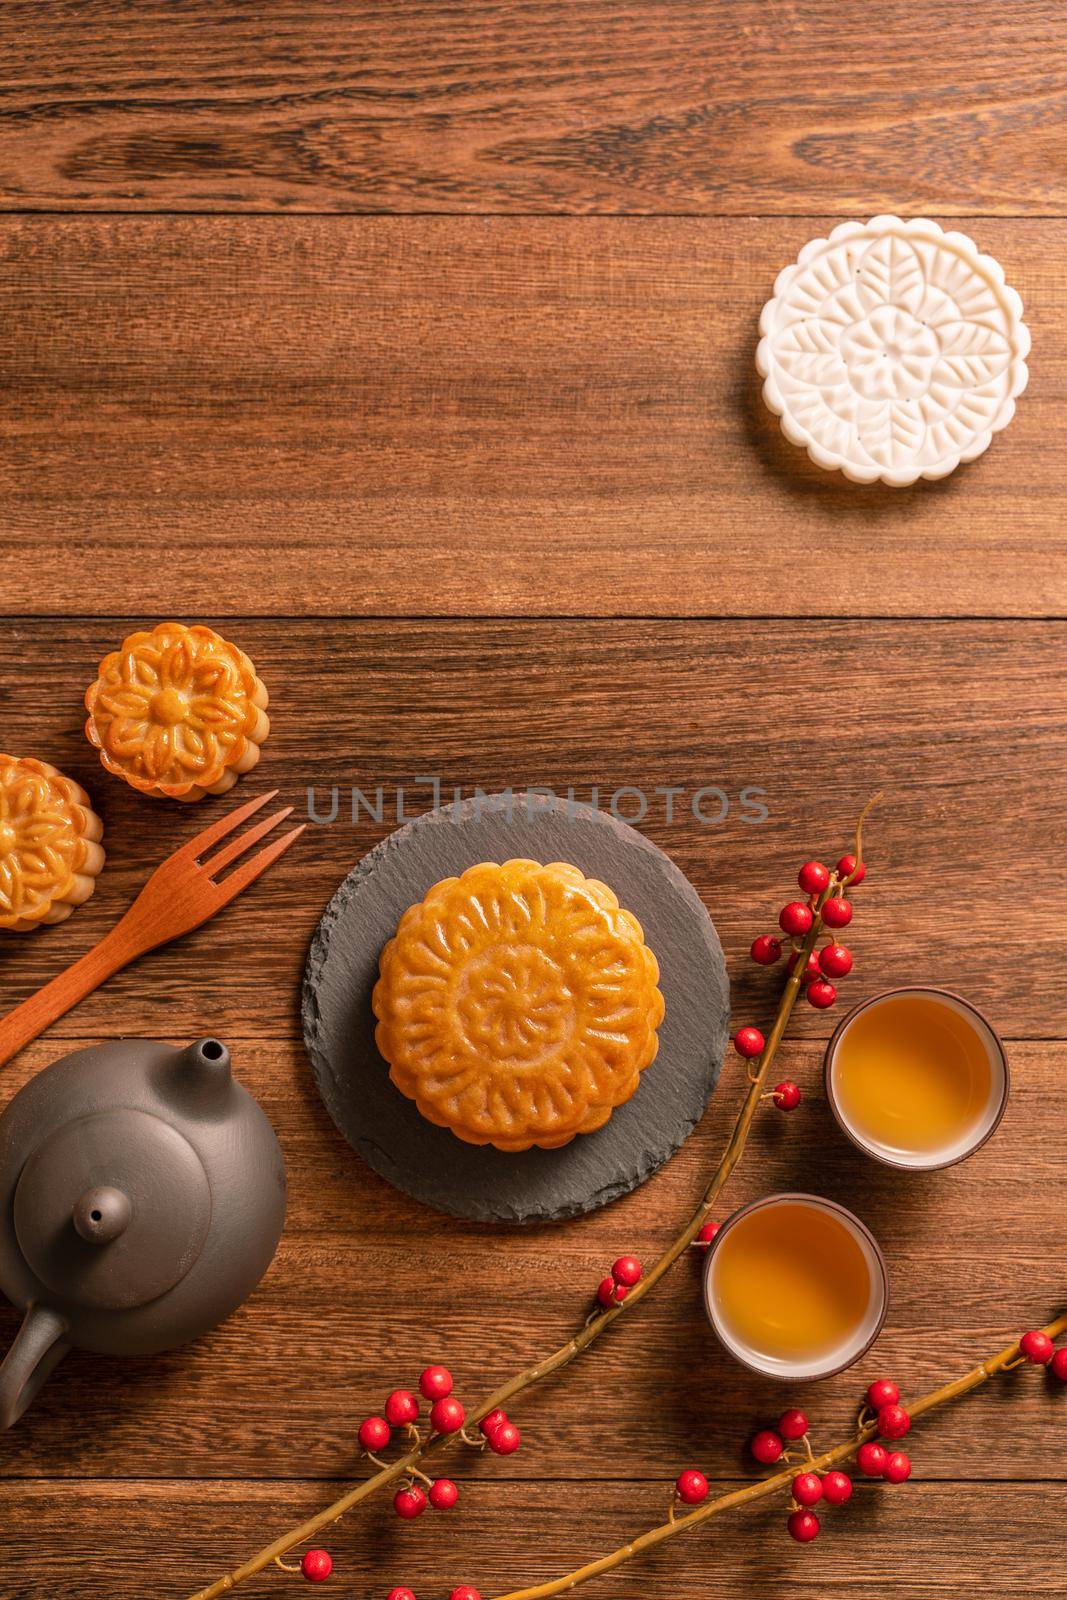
(893, 350)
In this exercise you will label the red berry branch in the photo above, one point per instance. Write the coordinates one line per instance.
(802, 921)
(835, 1488)
(822, 1478)
(447, 1416)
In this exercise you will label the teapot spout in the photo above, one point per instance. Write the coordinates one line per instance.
(198, 1079)
(40, 1345)
(209, 1057)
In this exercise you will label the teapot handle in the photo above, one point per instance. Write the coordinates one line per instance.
(39, 1347)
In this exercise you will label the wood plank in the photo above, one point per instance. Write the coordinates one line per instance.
(364, 1291)
(962, 723)
(369, 1286)
(916, 1542)
(675, 106)
(468, 416)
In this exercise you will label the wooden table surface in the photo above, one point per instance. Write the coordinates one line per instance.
(411, 345)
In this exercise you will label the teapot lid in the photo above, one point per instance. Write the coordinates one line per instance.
(112, 1210)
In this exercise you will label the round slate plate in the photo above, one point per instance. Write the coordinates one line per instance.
(430, 1163)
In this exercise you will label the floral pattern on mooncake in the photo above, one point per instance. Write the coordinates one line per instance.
(518, 1004)
(178, 712)
(50, 851)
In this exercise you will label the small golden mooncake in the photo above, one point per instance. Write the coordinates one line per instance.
(178, 712)
(518, 1004)
(50, 851)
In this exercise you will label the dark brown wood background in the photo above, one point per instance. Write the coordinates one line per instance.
(334, 325)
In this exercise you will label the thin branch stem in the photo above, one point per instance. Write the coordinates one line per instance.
(858, 852)
(599, 1324)
(779, 1482)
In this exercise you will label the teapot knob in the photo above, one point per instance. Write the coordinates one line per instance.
(102, 1214)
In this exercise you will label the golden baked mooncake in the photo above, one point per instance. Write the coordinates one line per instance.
(50, 851)
(178, 712)
(518, 1004)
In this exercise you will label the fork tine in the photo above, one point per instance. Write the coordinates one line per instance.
(243, 842)
(225, 824)
(249, 871)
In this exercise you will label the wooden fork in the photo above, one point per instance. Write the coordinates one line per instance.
(179, 896)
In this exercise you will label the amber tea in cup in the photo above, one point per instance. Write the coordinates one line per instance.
(795, 1286)
(916, 1077)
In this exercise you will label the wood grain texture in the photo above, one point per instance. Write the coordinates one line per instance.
(914, 1544)
(380, 425)
(964, 724)
(368, 1287)
(947, 715)
(182, 893)
(463, 416)
(675, 106)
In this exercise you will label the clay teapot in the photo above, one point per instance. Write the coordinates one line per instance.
(142, 1197)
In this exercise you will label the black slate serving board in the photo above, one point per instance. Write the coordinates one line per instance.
(431, 1163)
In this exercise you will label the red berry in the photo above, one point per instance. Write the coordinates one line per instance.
(786, 1096)
(835, 960)
(1036, 1347)
(505, 1440)
(766, 950)
(400, 1594)
(812, 968)
(435, 1383)
(748, 1042)
(316, 1565)
(893, 1422)
(792, 1424)
(409, 1503)
(627, 1271)
(401, 1407)
(897, 1467)
(883, 1392)
(837, 913)
(611, 1292)
(1058, 1365)
(492, 1421)
(795, 918)
(837, 1488)
(821, 994)
(447, 1415)
(708, 1232)
(803, 1526)
(374, 1433)
(443, 1494)
(466, 1591)
(807, 1488)
(871, 1459)
(766, 1446)
(847, 868)
(691, 1487)
(813, 877)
